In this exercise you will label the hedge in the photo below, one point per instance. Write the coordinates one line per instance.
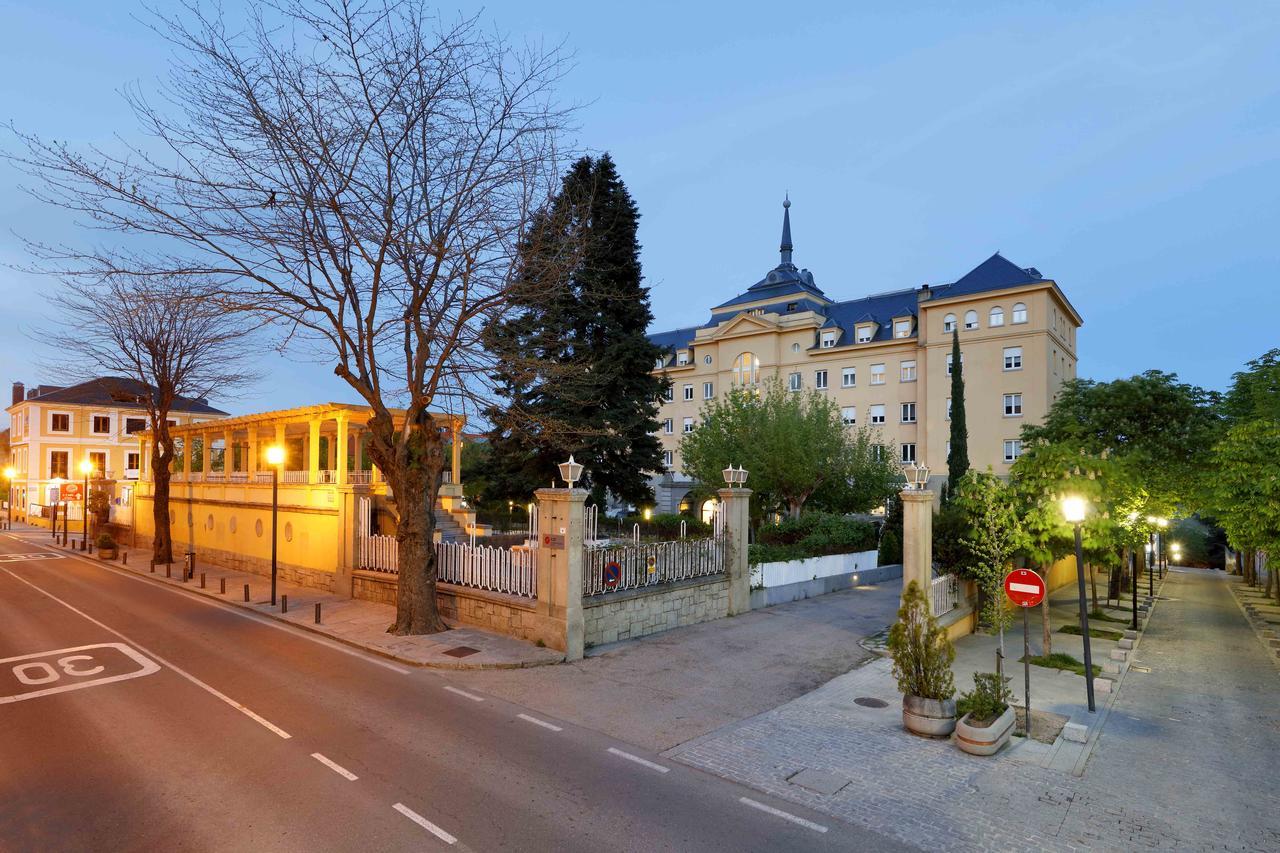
(814, 534)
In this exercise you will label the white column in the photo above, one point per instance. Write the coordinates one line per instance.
(313, 450)
(340, 449)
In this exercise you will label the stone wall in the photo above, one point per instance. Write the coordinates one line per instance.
(635, 613)
(286, 572)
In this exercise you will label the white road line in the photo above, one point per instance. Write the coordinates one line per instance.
(424, 823)
(300, 633)
(807, 824)
(214, 691)
(335, 767)
(538, 722)
(638, 760)
(473, 697)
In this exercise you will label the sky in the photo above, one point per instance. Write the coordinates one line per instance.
(1128, 150)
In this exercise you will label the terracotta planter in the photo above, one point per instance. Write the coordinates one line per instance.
(985, 740)
(106, 553)
(928, 717)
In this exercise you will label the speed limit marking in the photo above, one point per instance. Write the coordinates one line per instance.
(46, 673)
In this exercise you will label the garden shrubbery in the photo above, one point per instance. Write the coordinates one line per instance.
(814, 534)
(666, 526)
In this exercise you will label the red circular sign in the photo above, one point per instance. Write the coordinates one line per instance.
(1024, 587)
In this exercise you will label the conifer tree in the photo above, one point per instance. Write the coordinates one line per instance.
(589, 391)
(958, 455)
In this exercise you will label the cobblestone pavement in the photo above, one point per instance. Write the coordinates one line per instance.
(1186, 757)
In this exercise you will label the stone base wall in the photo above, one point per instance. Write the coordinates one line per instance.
(768, 597)
(287, 573)
(638, 612)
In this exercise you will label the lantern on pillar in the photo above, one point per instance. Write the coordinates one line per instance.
(917, 476)
(570, 472)
(734, 477)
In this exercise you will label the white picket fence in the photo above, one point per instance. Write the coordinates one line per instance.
(506, 570)
(944, 594)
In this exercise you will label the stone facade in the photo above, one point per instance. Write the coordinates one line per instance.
(636, 613)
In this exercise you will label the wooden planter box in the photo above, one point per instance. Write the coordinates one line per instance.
(985, 740)
(928, 717)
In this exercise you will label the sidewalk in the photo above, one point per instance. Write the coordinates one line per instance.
(1182, 754)
(362, 624)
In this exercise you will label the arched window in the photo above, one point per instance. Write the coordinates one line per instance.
(746, 369)
(996, 317)
(1019, 312)
(949, 323)
(971, 320)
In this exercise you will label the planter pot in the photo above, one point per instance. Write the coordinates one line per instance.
(106, 553)
(929, 717)
(985, 740)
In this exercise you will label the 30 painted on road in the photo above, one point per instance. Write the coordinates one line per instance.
(61, 670)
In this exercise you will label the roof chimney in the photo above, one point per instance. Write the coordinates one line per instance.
(924, 294)
(19, 393)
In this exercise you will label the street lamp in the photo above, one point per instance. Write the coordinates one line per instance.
(1074, 509)
(1154, 521)
(1176, 550)
(1162, 523)
(9, 474)
(275, 458)
(86, 468)
(570, 472)
(917, 476)
(734, 477)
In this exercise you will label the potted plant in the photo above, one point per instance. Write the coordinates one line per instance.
(922, 657)
(107, 547)
(988, 718)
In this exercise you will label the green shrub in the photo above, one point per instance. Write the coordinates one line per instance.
(1060, 660)
(890, 549)
(814, 534)
(1096, 633)
(104, 540)
(922, 654)
(989, 698)
(667, 525)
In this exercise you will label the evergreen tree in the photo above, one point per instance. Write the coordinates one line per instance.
(958, 455)
(584, 324)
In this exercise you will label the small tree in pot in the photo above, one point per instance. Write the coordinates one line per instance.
(988, 719)
(922, 657)
(106, 546)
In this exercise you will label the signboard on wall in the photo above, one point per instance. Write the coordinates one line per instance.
(553, 540)
(68, 492)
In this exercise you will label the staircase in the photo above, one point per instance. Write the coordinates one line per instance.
(450, 530)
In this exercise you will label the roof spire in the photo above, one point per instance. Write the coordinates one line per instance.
(786, 230)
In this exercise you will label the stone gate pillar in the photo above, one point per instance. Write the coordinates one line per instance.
(735, 504)
(561, 526)
(917, 537)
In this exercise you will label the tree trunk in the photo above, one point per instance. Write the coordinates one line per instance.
(1093, 586)
(162, 543)
(1045, 623)
(1266, 564)
(414, 475)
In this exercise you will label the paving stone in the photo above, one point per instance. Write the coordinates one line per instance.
(1119, 654)
(1075, 732)
(819, 780)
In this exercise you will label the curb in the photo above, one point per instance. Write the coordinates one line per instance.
(276, 617)
(1256, 625)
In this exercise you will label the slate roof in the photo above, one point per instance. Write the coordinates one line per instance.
(119, 392)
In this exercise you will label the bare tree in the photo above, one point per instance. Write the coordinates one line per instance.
(359, 175)
(160, 339)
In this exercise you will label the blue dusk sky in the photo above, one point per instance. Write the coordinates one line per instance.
(1129, 150)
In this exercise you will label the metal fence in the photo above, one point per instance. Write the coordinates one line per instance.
(650, 564)
(944, 594)
(512, 571)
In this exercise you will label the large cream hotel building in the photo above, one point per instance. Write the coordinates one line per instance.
(885, 359)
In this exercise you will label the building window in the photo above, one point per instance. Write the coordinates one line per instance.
(877, 374)
(1013, 358)
(949, 323)
(132, 425)
(708, 390)
(59, 464)
(877, 450)
(669, 394)
(791, 306)
(902, 329)
(970, 320)
(667, 459)
(849, 414)
(949, 362)
(908, 453)
(820, 380)
(706, 359)
(877, 413)
(996, 317)
(131, 461)
(948, 408)
(1012, 449)
(688, 424)
(668, 426)
(794, 382)
(101, 424)
(908, 413)
(657, 365)
(1019, 312)
(98, 461)
(908, 371)
(828, 340)
(688, 392)
(746, 369)
(682, 358)
(848, 377)
(60, 422)
(1012, 405)
(864, 334)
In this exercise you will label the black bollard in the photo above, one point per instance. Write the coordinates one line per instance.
(153, 567)
(168, 570)
(222, 588)
(246, 592)
(202, 580)
(124, 558)
(317, 613)
(284, 604)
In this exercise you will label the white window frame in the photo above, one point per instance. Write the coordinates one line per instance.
(902, 328)
(687, 425)
(1013, 404)
(708, 390)
(907, 452)
(948, 408)
(670, 394)
(865, 333)
(1012, 358)
(668, 459)
(849, 415)
(995, 317)
(820, 380)
(145, 425)
(848, 377)
(132, 456)
(970, 320)
(877, 376)
(660, 362)
(71, 423)
(682, 358)
(48, 458)
(1012, 450)
(669, 426)
(908, 412)
(907, 371)
(106, 457)
(828, 340)
(877, 413)
(1019, 309)
(795, 381)
(688, 391)
(949, 323)
(949, 362)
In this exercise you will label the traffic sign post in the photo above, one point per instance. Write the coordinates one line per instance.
(612, 575)
(1026, 589)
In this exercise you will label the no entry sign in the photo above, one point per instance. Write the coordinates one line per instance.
(1024, 587)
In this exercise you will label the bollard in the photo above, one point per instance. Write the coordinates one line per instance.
(168, 570)
(153, 567)
(202, 580)
(246, 592)
(317, 613)
(90, 547)
(222, 590)
(284, 604)
(124, 558)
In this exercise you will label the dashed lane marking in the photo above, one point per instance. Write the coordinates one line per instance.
(799, 821)
(638, 760)
(335, 767)
(473, 697)
(538, 722)
(188, 676)
(424, 823)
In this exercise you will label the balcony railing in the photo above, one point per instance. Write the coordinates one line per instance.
(295, 476)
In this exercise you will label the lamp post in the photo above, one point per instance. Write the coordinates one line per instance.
(86, 467)
(1074, 510)
(570, 472)
(917, 476)
(275, 458)
(9, 474)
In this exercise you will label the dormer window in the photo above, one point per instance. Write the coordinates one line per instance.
(949, 323)
(902, 329)
(791, 306)
(828, 340)
(682, 358)
(864, 333)
(659, 363)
